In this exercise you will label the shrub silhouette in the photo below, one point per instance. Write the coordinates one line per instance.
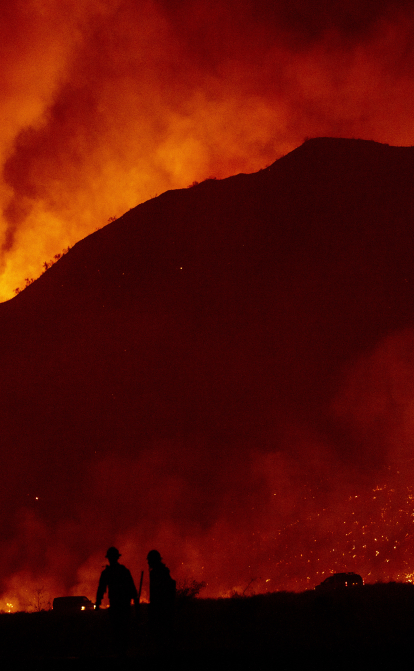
(187, 590)
(46, 266)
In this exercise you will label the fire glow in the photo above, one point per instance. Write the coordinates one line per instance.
(370, 533)
(111, 103)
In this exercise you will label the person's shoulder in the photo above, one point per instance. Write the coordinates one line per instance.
(165, 571)
(124, 569)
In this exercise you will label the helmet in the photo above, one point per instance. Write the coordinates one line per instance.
(113, 553)
(153, 557)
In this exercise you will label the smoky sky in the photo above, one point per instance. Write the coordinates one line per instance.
(108, 104)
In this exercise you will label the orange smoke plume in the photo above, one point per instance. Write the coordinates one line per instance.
(109, 102)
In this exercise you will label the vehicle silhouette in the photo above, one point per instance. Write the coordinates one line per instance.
(72, 604)
(340, 581)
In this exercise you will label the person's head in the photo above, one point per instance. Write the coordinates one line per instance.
(113, 555)
(153, 558)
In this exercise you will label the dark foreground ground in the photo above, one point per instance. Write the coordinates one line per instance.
(365, 628)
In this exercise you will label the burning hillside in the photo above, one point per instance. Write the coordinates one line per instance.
(225, 374)
(108, 102)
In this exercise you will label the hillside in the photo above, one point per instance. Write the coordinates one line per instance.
(194, 330)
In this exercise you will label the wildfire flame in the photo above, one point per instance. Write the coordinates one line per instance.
(106, 104)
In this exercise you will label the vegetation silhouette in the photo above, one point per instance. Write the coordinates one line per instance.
(188, 589)
(46, 265)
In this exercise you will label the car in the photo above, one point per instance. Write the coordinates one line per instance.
(340, 581)
(72, 604)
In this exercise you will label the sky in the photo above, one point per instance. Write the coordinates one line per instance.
(107, 103)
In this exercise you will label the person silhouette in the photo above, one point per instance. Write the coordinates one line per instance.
(118, 580)
(162, 600)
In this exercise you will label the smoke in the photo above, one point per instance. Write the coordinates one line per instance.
(258, 517)
(113, 102)
(283, 514)
(375, 406)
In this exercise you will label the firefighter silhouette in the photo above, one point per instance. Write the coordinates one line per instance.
(118, 580)
(162, 600)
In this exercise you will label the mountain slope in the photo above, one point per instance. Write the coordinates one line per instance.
(198, 327)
